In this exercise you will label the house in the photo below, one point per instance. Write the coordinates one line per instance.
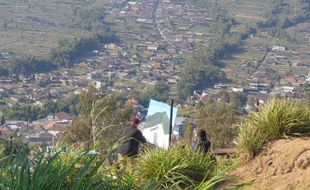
(63, 117)
(152, 47)
(220, 86)
(141, 20)
(278, 48)
(16, 125)
(56, 128)
(289, 81)
(41, 76)
(235, 89)
(287, 89)
(44, 138)
(34, 131)
(111, 46)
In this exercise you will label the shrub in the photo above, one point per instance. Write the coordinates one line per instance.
(275, 119)
(178, 167)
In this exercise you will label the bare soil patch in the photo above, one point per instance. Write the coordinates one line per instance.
(284, 164)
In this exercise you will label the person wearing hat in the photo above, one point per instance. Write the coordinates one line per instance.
(133, 137)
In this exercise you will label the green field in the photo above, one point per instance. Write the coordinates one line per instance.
(34, 27)
(294, 38)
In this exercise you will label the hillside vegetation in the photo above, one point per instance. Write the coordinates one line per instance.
(276, 119)
(179, 167)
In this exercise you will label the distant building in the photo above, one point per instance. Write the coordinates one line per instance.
(56, 128)
(220, 85)
(278, 48)
(141, 20)
(237, 89)
(111, 46)
(63, 116)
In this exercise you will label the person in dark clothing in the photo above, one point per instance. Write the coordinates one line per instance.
(133, 137)
(202, 143)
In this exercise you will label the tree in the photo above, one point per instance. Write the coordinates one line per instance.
(218, 118)
(237, 100)
(26, 112)
(160, 91)
(196, 76)
(100, 121)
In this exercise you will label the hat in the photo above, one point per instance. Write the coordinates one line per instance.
(136, 120)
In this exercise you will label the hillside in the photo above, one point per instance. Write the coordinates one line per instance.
(286, 24)
(35, 27)
(284, 164)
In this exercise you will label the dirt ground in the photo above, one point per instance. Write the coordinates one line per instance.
(284, 164)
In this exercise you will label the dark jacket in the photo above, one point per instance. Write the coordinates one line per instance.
(133, 137)
(203, 145)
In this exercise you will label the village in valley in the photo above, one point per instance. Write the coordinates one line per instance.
(155, 38)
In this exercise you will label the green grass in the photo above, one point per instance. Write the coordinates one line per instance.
(276, 119)
(176, 168)
(59, 171)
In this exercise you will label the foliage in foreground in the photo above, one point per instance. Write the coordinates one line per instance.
(176, 168)
(179, 167)
(275, 119)
(80, 172)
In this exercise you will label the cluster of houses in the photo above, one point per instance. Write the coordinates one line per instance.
(39, 87)
(157, 34)
(152, 50)
(46, 131)
(261, 85)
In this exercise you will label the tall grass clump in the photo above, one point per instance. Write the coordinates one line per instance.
(275, 119)
(177, 168)
(20, 171)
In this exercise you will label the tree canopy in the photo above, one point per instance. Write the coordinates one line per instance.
(100, 121)
(197, 76)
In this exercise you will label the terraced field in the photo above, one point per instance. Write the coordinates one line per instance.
(294, 38)
(34, 27)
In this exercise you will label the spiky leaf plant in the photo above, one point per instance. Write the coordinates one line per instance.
(275, 119)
